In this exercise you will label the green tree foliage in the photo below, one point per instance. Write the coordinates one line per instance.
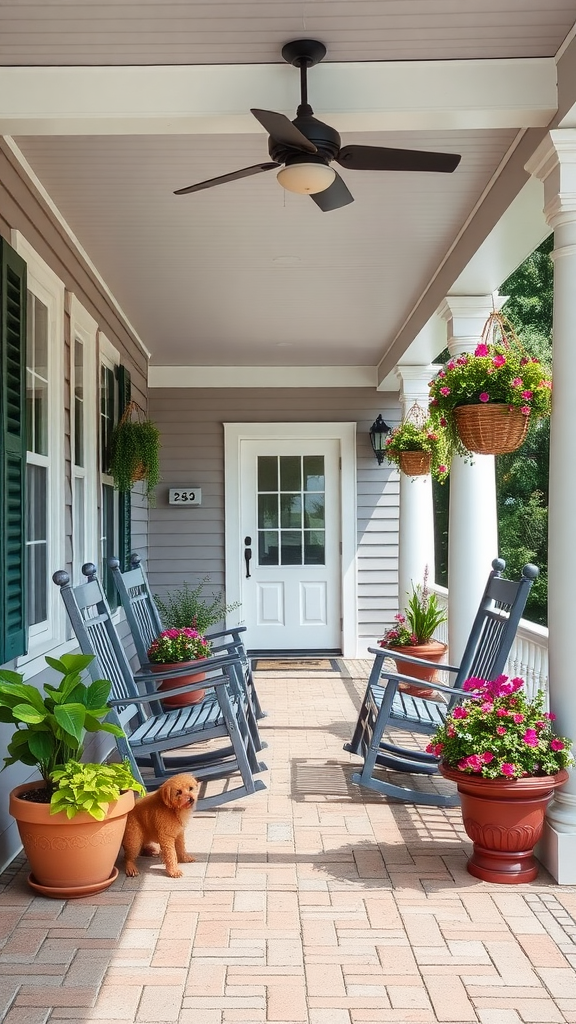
(530, 291)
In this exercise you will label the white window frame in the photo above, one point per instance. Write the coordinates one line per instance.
(84, 328)
(49, 289)
(108, 356)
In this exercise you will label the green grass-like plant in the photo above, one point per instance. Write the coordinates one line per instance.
(186, 607)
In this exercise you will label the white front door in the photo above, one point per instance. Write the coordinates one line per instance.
(290, 543)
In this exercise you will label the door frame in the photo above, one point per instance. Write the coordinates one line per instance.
(345, 434)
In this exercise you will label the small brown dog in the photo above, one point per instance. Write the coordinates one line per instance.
(159, 819)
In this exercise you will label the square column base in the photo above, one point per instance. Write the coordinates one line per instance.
(557, 852)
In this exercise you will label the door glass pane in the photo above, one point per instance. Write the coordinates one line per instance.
(314, 510)
(314, 553)
(291, 547)
(290, 473)
(268, 547)
(268, 511)
(291, 511)
(313, 472)
(267, 473)
(37, 543)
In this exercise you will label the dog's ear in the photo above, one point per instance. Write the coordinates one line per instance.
(167, 793)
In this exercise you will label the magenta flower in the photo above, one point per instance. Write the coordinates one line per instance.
(501, 712)
(530, 737)
(501, 730)
(556, 744)
(518, 719)
(399, 617)
(475, 762)
(498, 360)
(442, 469)
(525, 409)
(462, 361)
(517, 382)
(444, 391)
(527, 395)
(441, 373)
(487, 756)
(508, 769)
(484, 396)
(481, 350)
(460, 713)
(546, 384)
(550, 716)
(443, 421)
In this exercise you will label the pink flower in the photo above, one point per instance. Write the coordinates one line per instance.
(462, 361)
(527, 395)
(508, 769)
(445, 391)
(498, 360)
(443, 421)
(501, 712)
(442, 469)
(517, 382)
(486, 707)
(432, 437)
(399, 617)
(525, 410)
(450, 366)
(460, 713)
(441, 374)
(481, 350)
(530, 737)
(550, 716)
(430, 748)
(487, 756)
(540, 725)
(524, 361)
(451, 731)
(500, 730)
(433, 401)
(556, 745)
(546, 384)
(484, 396)
(518, 719)
(474, 762)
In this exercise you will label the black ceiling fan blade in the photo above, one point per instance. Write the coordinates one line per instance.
(380, 158)
(333, 197)
(245, 172)
(282, 130)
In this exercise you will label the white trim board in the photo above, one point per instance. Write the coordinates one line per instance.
(345, 433)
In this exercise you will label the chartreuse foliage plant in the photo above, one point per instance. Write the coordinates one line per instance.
(90, 787)
(497, 732)
(50, 730)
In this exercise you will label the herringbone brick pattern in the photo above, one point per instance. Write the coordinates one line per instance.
(310, 903)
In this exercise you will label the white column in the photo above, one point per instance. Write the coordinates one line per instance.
(473, 525)
(416, 518)
(554, 163)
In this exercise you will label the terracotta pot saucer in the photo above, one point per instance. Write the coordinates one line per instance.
(71, 892)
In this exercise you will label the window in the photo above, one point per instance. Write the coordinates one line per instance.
(114, 507)
(44, 505)
(83, 440)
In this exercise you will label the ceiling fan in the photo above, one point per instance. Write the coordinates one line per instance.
(305, 147)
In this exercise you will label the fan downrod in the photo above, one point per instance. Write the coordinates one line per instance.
(304, 53)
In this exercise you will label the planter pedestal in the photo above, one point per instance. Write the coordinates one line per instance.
(504, 819)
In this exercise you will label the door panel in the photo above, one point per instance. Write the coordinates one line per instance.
(290, 508)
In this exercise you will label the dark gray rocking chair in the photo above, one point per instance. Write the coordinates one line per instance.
(386, 706)
(151, 733)
(144, 622)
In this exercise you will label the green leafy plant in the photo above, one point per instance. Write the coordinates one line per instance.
(187, 607)
(413, 437)
(50, 730)
(90, 787)
(422, 618)
(499, 371)
(499, 733)
(135, 451)
(175, 645)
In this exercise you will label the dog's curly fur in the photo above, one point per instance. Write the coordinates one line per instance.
(158, 820)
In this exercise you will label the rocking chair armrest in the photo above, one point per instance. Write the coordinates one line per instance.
(398, 677)
(145, 698)
(415, 661)
(226, 632)
(146, 673)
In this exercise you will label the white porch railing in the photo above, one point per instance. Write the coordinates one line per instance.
(529, 655)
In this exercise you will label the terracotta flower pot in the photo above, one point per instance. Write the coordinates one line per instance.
(183, 699)
(434, 650)
(504, 819)
(69, 857)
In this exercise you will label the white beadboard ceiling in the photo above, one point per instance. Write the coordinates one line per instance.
(247, 274)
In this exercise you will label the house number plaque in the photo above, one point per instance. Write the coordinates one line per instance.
(185, 496)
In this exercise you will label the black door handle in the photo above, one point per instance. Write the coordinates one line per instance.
(247, 555)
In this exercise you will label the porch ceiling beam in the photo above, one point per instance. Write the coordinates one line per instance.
(215, 99)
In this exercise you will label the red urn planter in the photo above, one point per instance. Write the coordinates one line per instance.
(504, 819)
(434, 650)
(69, 857)
(183, 699)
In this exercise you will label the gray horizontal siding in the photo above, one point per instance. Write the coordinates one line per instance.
(188, 543)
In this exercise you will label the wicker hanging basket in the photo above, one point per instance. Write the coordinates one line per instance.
(490, 429)
(415, 463)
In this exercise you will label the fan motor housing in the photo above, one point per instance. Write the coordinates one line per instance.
(325, 138)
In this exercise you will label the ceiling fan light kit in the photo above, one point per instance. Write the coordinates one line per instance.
(304, 148)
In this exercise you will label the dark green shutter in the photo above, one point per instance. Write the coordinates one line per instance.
(125, 511)
(13, 631)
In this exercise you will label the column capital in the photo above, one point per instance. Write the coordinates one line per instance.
(414, 381)
(554, 164)
(465, 316)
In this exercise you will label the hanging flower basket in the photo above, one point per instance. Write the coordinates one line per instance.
(491, 429)
(415, 463)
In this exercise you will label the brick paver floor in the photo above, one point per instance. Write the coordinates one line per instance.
(310, 902)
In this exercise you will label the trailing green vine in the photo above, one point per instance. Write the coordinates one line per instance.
(135, 451)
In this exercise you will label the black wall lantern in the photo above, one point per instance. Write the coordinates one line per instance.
(378, 432)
